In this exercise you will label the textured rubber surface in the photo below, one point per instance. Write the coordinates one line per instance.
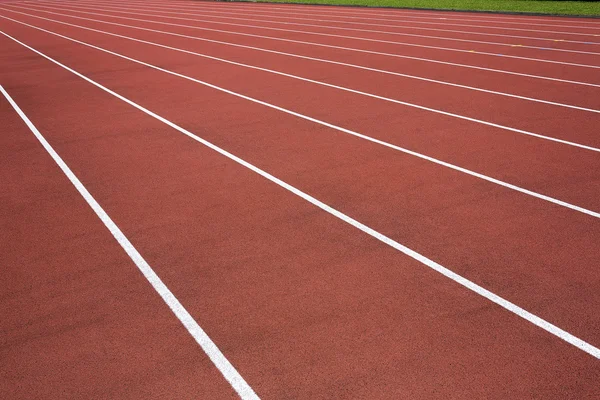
(302, 304)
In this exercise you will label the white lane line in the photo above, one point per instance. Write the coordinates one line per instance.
(280, 14)
(299, 56)
(468, 66)
(366, 94)
(339, 14)
(389, 11)
(565, 41)
(445, 49)
(228, 13)
(513, 308)
(210, 348)
(507, 45)
(332, 126)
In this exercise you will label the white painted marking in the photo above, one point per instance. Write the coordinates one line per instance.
(338, 128)
(228, 13)
(461, 40)
(449, 49)
(507, 305)
(389, 11)
(339, 14)
(289, 55)
(40, 4)
(210, 348)
(468, 66)
(191, 6)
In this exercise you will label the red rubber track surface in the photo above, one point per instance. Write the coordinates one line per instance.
(553, 91)
(77, 318)
(492, 59)
(302, 304)
(546, 39)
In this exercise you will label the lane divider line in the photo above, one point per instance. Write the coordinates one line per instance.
(507, 305)
(228, 13)
(42, 4)
(194, 6)
(375, 11)
(210, 348)
(335, 127)
(301, 57)
(366, 94)
(423, 46)
(469, 66)
(403, 33)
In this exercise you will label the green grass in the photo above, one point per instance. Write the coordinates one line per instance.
(526, 6)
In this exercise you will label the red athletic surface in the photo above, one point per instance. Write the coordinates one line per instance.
(302, 304)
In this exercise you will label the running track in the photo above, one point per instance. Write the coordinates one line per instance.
(218, 200)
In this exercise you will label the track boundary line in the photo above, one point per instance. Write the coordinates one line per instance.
(335, 127)
(507, 305)
(541, 77)
(439, 48)
(361, 67)
(210, 348)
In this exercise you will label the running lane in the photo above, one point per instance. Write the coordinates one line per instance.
(301, 303)
(499, 153)
(78, 319)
